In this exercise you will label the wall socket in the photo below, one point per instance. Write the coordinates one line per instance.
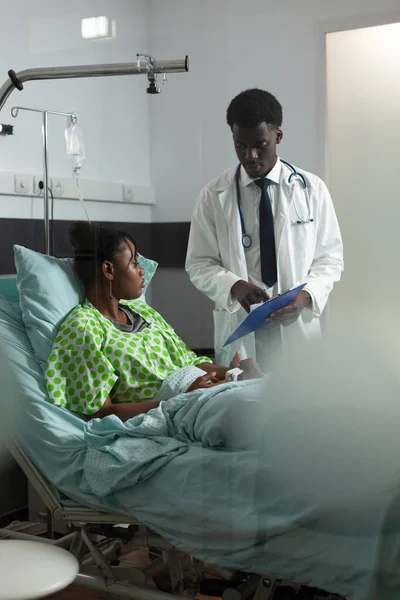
(127, 193)
(23, 184)
(57, 188)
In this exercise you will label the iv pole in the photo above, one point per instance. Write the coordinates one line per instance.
(144, 65)
(148, 66)
(14, 112)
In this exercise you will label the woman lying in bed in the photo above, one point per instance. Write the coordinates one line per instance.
(112, 357)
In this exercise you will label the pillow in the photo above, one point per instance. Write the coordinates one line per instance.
(49, 290)
(150, 267)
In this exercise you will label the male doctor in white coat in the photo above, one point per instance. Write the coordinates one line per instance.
(256, 232)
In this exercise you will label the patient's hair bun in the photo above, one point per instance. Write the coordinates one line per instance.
(82, 236)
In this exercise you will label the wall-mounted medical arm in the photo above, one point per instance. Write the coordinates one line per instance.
(145, 65)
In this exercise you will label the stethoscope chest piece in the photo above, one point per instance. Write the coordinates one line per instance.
(246, 240)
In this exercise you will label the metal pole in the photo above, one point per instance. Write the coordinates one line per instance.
(16, 80)
(46, 206)
(15, 535)
(46, 184)
(103, 70)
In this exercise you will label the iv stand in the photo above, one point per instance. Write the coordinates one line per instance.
(46, 206)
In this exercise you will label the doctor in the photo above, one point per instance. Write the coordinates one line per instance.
(259, 229)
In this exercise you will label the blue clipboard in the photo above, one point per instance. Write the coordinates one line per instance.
(256, 319)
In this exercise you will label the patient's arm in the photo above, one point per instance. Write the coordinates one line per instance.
(204, 381)
(220, 372)
(123, 411)
(249, 366)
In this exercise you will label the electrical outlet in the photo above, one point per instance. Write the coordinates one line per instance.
(36, 189)
(23, 184)
(127, 193)
(57, 187)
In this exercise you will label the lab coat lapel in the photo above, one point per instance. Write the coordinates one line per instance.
(285, 199)
(227, 199)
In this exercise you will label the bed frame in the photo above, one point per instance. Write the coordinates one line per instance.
(99, 540)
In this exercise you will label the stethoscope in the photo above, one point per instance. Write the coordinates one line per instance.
(293, 177)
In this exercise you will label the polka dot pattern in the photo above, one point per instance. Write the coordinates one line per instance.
(91, 359)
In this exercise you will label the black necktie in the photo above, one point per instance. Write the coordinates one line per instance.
(267, 236)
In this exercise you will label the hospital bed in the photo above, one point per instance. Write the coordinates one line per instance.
(100, 533)
(100, 540)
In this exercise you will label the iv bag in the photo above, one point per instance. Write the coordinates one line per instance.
(75, 147)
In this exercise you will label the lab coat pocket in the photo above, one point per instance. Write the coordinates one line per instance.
(299, 242)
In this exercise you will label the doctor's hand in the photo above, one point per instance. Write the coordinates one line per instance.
(290, 313)
(247, 294)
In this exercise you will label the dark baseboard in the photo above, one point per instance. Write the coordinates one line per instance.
(209, 352)
(169, 244)
(165, 243)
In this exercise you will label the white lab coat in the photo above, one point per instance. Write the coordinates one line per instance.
(310, 253)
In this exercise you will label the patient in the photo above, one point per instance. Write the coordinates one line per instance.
(112, 357)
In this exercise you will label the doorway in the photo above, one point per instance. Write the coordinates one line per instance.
(363, 119)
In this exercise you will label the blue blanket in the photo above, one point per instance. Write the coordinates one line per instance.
(134, 451)
(241, 454)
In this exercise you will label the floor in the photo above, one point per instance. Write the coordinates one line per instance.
(139, 558)
(76, 593)
(135, 558)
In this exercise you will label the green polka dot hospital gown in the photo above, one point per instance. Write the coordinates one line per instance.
(93, 358)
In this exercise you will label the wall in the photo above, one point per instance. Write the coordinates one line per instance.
(234, 45)
(114, 111)
(184, 307)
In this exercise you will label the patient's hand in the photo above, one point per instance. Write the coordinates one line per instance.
(208, 380)
(235, 362)
(249, 366)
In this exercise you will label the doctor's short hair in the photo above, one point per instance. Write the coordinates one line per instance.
(253, 107)
(93, 245)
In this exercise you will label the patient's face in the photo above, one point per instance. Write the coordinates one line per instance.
(128, 279)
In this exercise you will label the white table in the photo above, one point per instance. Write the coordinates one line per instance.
(30, 570)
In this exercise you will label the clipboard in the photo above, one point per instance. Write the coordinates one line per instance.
(256, 318)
